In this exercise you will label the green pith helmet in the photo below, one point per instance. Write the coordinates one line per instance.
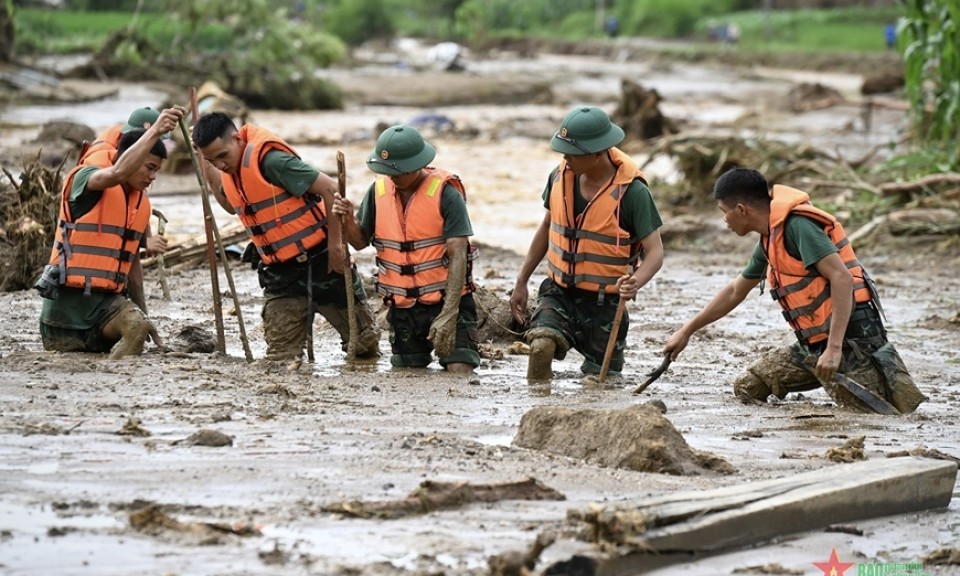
(586, 130)
(139, 118)
(400, 150)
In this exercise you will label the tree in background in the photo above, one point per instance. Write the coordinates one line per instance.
(6, 31)
(929, 38)
(356, 21)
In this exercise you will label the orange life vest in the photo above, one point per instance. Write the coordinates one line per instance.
(95, 251)
(281, 225)
(108, 140)
(591, 251)
(411, 249)
(803, 293)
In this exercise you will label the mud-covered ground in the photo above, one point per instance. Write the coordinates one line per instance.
(85, 442)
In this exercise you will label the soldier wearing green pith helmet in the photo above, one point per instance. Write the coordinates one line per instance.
(601, 237)
(416, 217)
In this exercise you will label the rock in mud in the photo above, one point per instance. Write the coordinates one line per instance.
(207, 437)
(194, 339)
(637, 438)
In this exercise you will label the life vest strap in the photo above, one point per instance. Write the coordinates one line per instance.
(253, 208)
(125, 233)
(408, 245)
(263, 228)
(794, 313)
(122, 255)
(410, 269)
(415, 292)
(574, 279)
(273, 248)
(576, 257)
(578, 233)
(119, 277)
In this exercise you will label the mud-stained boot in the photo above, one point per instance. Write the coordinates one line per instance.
(133, 327)
(540, 365)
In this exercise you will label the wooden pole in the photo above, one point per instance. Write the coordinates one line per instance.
(347, 269)
(612, 341)
(213, 233)
(161, 263)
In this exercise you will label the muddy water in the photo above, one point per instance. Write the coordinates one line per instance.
(333, 432)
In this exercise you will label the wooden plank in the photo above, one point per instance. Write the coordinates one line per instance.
(658, 531)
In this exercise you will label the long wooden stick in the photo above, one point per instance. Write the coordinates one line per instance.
(347, 269)
(211, 250)
(161, 263)
(612, 341)
(212, 230)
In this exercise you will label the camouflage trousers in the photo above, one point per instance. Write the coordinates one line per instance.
(287, 312)
(867, 358)
(409, 328)
(575, 319)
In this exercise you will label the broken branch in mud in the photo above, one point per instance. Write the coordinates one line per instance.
(432, 495)
(893, 188)
(660, 531)
(195, 246)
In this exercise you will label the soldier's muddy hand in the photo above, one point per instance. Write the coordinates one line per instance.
(828, 364)
(342, 206)
(675, 344)
(156, 244)
(443, 332)
(518, 303)
(169, 119)
(628, 286)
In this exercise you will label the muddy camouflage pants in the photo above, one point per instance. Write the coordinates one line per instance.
(91, 339)
(286, 311)
(867, 358)
(581, 322)
(409, 328)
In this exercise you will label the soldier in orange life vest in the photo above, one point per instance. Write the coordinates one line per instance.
(281, 202)
(104, 214)
(827, 297)
(601, 237)
(416, 217)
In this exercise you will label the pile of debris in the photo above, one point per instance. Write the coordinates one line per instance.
(28, 219)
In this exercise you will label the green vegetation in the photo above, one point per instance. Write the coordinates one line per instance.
(929, 37)
(64, 31)
(835, 30)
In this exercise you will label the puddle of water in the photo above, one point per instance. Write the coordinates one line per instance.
(38, 519)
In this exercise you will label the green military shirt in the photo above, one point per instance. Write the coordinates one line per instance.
(288, 172)
(453, 208)
(804, 240)
(72, 309)
(638, 212)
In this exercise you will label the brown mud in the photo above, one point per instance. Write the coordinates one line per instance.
(120, 467)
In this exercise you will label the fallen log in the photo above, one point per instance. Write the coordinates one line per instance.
(431, 495)
(893, 188)
(656, 532)
(196, 246)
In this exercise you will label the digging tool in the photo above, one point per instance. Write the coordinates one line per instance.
(213, 233)
(652, 376)
(161, 265)
(612, 341)
(347, 269)
(861, 393)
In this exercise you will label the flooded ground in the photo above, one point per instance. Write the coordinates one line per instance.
(85, 441)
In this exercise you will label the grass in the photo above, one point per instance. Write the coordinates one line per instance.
(64, 31)
(837, 30)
